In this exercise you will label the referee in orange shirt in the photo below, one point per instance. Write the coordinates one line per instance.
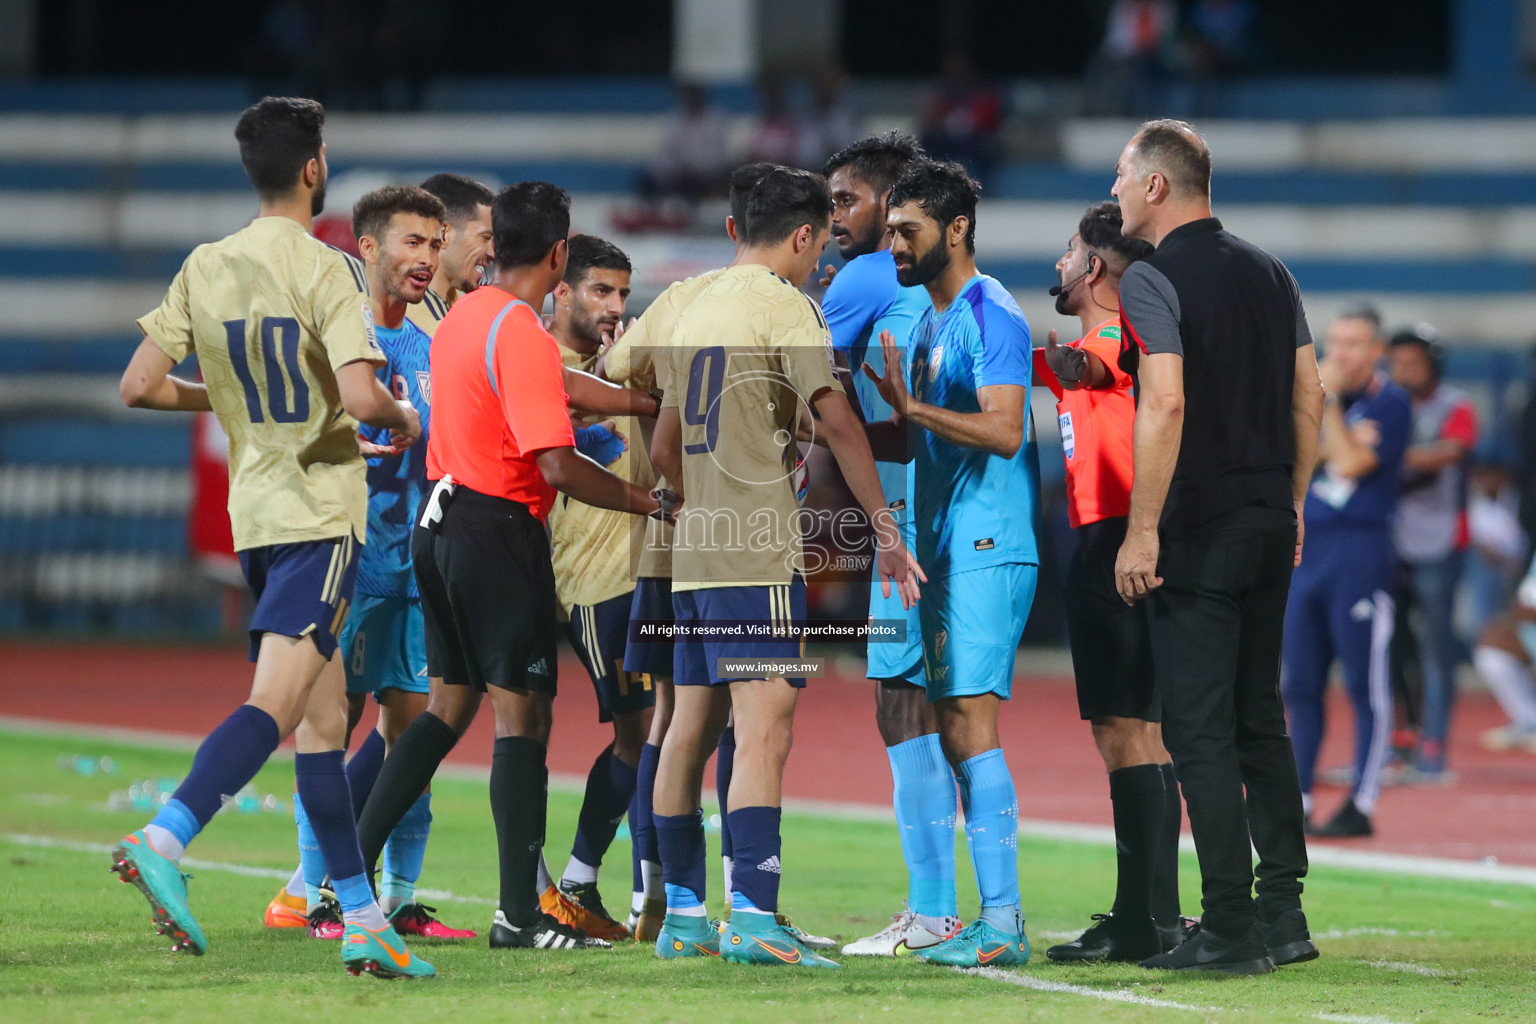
(1111, 646)
(503, 445)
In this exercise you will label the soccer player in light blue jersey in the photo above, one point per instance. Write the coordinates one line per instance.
(975, 487)
(863, 301)
(383, 645)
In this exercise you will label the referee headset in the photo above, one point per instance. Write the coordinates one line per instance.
(1062, 289)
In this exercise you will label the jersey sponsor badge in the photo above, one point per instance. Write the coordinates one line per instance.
(368, 327)
(1067, 435)
(1110, 331)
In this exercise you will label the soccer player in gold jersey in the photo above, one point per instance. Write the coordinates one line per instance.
(595, 554)
(748, 363)
(466, 249)
(630, 359)
(284, 336)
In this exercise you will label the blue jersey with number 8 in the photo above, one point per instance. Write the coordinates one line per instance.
(396, 483)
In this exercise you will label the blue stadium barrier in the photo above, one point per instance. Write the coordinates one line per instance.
(84, 441)
(100, 355)
(1008, 181)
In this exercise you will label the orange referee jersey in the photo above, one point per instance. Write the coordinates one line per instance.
(1096, 426)
(498, 399)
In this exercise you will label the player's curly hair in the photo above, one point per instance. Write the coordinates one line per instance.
(371, 214)
(1100, 231)
(278, 135)
(878, 160)
(944, 190)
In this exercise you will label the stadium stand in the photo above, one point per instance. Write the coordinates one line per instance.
(104, 190)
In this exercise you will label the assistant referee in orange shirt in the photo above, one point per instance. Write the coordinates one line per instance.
(502, 445)
(1111, 642)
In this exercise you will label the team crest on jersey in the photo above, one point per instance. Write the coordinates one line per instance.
(424, 385)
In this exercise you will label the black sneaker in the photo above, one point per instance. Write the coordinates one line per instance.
(1110, 939)
(1173, 935)
(1286, 937)
(1207, 951)
(544, 933)
(1349, 823)
(324, 922)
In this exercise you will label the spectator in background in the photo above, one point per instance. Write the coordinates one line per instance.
(1527, 442)
(1220, 34)
(692, 163)
(833, 122)
(1340, 605)
(1133, 58)
(1431, 527)
(1497, 542)
(1503, 660)
(776, 137)
(963, 117)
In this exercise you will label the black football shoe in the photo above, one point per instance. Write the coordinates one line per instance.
(1110, 939)
(1349, 823)
(1286, 937)
(544, 933)
(1205, 950)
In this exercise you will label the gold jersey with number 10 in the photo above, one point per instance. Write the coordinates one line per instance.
(272, 313)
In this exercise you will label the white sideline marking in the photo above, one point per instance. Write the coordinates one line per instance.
(1404, 967)
(1391, 933)
(1097, 835)
(1120, 995)
(1110, 995)
(198, 864)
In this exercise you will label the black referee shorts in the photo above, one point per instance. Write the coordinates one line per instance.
(487, 595)
(1111, 641)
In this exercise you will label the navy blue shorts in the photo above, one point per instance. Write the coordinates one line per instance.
(652, 605)
(301, 589)
(598, 633)
(696, 657)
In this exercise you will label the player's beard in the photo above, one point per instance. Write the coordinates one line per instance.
(926, 267)
(317, 201)
(586, 328)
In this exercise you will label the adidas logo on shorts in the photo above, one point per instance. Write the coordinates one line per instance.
(771, 865)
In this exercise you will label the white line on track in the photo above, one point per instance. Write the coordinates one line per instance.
(1098, 835)
(198, 864)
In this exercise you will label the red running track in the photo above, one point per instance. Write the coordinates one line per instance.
(1489, 811)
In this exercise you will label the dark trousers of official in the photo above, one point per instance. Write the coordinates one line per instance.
(1217, 623)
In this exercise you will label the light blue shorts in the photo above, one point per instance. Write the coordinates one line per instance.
(896, 659)
(972, 622)
(384, 645)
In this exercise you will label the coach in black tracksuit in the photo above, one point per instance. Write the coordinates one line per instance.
(1229, 406)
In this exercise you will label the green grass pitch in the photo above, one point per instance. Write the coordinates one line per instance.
(75, 945)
